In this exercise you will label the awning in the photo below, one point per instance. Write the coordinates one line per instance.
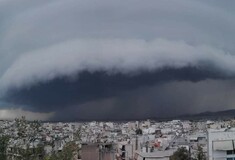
(223, 145)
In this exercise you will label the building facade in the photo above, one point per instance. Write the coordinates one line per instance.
(221, 144)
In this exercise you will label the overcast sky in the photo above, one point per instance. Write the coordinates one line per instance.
(115, 59)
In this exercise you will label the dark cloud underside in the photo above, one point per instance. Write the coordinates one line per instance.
(86, 86)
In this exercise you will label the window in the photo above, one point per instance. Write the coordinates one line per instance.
(229, 152)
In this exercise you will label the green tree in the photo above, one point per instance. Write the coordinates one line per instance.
(68, 153)
(139, 131)
(77, 135)
(181, 154)
(200, 154)
(21, 125)
(54, 156)
(77, 140)
(4, 140)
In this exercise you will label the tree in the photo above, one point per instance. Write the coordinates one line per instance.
(181, 154)
(139, 131)
(3, 147)
(21, 125)
(200, 154)
(68, 153)
(77, 140)
(77, 135)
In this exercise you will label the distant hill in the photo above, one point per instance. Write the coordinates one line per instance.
(226, 114)
(210, 115)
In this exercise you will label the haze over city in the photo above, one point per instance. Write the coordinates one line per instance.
(97, 60)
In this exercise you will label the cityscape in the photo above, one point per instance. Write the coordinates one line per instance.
(133, 140)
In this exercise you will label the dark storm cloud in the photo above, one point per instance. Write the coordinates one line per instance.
(62, 92)
(59, 55)
(158, 101)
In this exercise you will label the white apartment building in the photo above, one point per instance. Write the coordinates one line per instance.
(221, 143)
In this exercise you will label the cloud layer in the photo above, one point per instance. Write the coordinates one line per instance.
(112, 56)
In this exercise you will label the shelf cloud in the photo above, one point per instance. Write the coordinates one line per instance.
(127, 57)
